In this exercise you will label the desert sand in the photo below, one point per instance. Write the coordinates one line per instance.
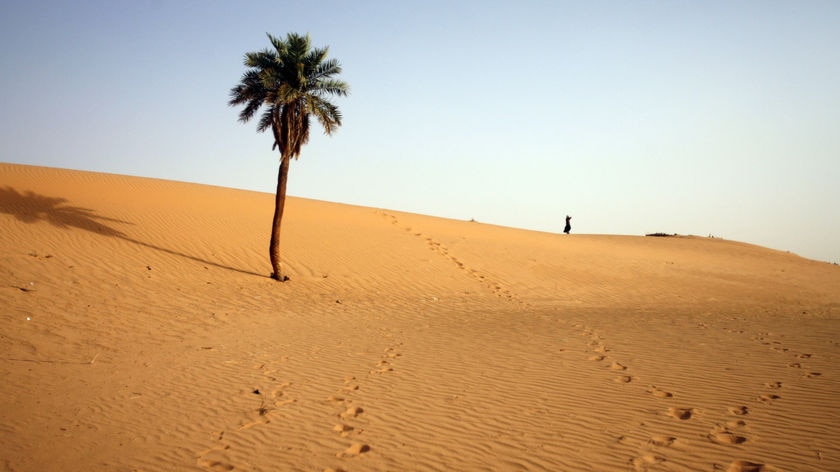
(139, 331)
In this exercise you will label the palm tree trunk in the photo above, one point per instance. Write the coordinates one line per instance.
(279, 204)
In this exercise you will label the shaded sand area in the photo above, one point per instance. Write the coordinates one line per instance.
(139, 331)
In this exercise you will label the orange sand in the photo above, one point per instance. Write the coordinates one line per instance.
(139, 331)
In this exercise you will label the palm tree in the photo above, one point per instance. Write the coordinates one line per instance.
(292, 82)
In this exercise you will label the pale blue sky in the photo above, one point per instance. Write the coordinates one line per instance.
(685, 117)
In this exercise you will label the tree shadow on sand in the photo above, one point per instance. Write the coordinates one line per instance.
(31, 207)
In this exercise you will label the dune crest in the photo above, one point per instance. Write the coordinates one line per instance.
(139, 331)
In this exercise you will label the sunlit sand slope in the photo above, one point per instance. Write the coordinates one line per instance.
(139, 331)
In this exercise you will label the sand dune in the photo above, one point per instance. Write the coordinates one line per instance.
(140, 331)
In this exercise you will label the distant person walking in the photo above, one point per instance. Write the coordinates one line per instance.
(568, 224)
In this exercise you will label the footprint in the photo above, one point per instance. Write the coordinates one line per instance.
(618, 366)
(681, 413)
(727, 437)
(279, 396)
(623, 379)
(738, 410)
(354, 450)
(747, 466)
(662, 440)
(260, 419)
(215, 466)
(659, 393)
(350, 387)
(382, 367)
(209, 460)
(642, 463)
(773, 385)
(769, 398)
(343, 429)
(811, 375)
(803, 356)
(727, 434)
(795, 365)
(596, 357)
(352, 412)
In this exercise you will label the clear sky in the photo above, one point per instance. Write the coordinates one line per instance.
(694, 117)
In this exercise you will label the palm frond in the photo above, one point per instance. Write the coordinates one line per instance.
(325, 112)
(248, 92)
(280, 46)
(264, 59)
(266, 120)
(327, 69)
(332, 87)
(316, 57)
(297, 46)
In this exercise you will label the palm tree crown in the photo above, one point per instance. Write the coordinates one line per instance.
(293, 82)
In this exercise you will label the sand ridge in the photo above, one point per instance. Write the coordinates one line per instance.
(140, 331)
